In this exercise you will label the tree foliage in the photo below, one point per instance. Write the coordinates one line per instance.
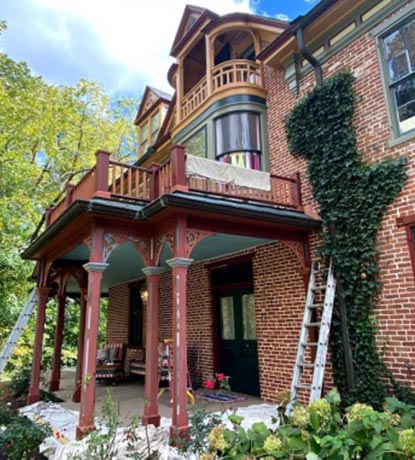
(48, 136)
(353, 196)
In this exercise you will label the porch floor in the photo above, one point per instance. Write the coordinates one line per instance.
(130, 398)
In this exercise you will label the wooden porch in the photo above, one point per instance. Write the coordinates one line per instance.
(124, 182)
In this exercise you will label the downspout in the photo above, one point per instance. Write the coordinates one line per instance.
(348, 356)
(307, 55)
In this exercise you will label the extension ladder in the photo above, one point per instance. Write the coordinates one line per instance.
(17, 330)
(317, 314)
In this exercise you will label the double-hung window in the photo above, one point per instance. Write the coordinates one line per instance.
(398, 49)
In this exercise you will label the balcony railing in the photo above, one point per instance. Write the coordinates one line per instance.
(118, 181)
(228, 74)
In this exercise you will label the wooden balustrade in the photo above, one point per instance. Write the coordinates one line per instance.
(124, 181)
(81, 191)
(165, 177)
(235, 73)
(283, 190)
(194, 98)
(127, 181)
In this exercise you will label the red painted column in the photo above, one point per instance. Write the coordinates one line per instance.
(151, 410)
(42, 299)
(56, 363)
(180, 418)
(76, 397)
(86, 416)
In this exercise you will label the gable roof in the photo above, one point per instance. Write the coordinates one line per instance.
(151, 97)
(184, 32)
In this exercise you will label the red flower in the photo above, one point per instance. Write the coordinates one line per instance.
(8, 446)
(221, 377)
(209, 384)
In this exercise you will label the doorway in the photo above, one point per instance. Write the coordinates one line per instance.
(237, 354)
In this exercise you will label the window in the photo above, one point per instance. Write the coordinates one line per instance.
(155, 126)
(136, 318)
(399, 55)
(143, 138)
(238, 140)
(196, 145)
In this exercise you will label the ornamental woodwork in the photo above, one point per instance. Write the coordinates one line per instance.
(193, 237)
(167, 238)
(88, 242)
(299, 250)
(111, 242)
(141, 245)
(151, 99)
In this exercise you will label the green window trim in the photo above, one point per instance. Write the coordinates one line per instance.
(401, 129)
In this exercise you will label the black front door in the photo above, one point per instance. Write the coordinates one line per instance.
(238, 345)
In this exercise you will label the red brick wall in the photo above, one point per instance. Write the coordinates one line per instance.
(395, 316)
(279, 295)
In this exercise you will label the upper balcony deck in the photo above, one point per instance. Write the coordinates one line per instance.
(242, 75)
(120, 181)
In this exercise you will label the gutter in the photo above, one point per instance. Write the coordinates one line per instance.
(191, 201)
(79, 207)
(231, 207)
(301, 22)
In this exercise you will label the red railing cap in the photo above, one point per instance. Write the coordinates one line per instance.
(102, 152)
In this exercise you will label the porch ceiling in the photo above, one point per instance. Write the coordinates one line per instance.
(125, 264)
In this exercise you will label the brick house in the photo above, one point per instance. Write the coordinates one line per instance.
(216, 221)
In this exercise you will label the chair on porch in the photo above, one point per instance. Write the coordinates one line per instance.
(165, 369)
(110, 362)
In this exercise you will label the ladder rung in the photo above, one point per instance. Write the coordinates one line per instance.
(301, 386)
(316, 305)
(309, 344)
(319, 288)
(312, 324)
(306, 364)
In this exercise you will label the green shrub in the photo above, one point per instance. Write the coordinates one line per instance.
(20, 382)
(320, 431)
(20, 438)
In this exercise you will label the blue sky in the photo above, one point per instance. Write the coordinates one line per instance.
(123, 44)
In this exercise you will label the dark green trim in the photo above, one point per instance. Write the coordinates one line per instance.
(359, 30)
(392, 24)
(234, 207)
(232, 100)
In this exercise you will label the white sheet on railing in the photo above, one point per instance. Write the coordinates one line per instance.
(229, 174)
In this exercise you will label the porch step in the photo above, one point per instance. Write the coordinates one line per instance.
(310, 320)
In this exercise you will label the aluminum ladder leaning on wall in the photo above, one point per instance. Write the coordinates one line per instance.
(317, 314)
(17, 330)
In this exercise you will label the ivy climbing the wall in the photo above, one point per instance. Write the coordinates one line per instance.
(353, 196)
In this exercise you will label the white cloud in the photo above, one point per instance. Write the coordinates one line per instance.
(282, 17)
(130, 38)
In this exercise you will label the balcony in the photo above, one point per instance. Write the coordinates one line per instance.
(241, 74)
(120, 181)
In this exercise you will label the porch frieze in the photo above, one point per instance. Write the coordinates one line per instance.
(179, 262)
(193, 237)
(113, 240)
(153, 270)
(95, 267)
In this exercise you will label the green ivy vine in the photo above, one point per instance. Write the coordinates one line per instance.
(353, 196)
